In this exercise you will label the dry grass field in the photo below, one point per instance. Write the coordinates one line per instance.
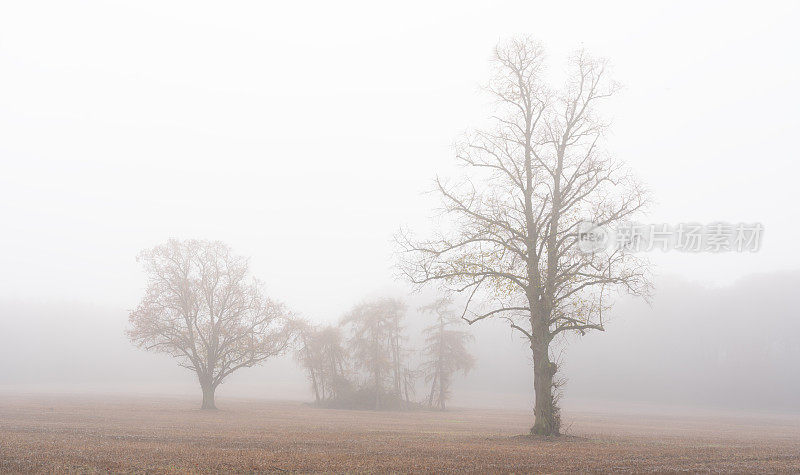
(47, 433)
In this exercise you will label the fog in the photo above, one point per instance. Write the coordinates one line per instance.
(730, 347)
(304, 136)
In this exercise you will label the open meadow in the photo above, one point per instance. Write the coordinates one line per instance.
(81, 433)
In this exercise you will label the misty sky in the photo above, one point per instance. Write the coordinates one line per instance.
(304, 135)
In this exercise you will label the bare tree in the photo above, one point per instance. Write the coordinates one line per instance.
(529, 181)
(323, 356)
(202, 308)
(445, 351)
(375, 344)
(309, 355)
(334, 360)
(403, 376)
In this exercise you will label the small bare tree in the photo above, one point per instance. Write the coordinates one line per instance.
(324, 358)
(530, 180)
(334, 360)
(202, 307)
(309, 355)
(402, 375)
(376, 345)
(445, 351)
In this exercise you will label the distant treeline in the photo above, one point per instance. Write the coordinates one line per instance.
(363, 363)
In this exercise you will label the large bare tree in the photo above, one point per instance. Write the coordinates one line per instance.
(509, 233)
(202, 307)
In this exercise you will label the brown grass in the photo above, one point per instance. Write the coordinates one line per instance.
(170, 435)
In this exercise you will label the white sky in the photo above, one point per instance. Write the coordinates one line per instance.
(303, 135)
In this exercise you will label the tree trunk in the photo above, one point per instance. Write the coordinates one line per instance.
(441, 392)
(316, 387)
(377, 391)
(208, 397)
(547, 420)
(433, 390)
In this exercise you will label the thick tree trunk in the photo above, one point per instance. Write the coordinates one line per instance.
(547, 420)
(208, 397)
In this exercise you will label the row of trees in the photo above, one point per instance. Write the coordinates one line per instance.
(508, 241)
(365, 360)
(202, 307)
